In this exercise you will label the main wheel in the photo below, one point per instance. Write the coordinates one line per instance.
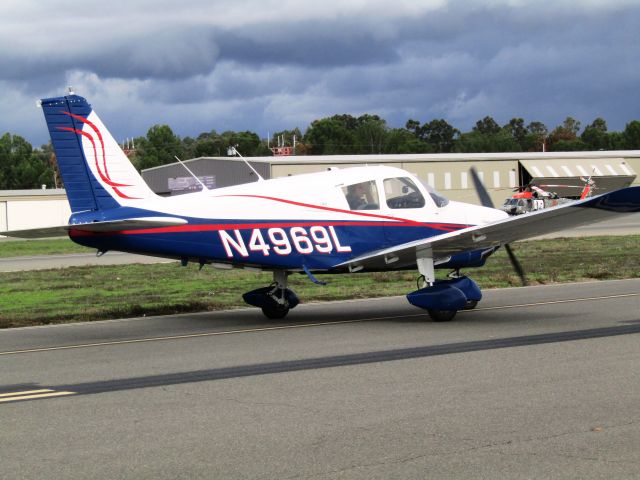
(275, 313)
(441, 315)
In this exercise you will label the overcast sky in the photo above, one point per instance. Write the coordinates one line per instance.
(264, 65)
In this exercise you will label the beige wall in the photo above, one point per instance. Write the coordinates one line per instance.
(278, 171)
(635, 165)
(3, 216)
(33, 213)
(454, 181)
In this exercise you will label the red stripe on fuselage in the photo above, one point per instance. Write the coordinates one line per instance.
(397, 220)
(250, 226)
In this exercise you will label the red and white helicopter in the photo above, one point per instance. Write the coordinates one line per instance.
(339, 221)
(532, 197)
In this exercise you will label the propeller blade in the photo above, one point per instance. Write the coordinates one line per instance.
(516, 264)
(486, 201)
(483, 195)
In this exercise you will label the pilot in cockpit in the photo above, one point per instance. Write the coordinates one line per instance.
(357, 196)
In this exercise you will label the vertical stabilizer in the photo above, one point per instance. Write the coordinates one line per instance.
(96, 173)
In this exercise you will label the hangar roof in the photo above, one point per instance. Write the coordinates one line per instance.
(423, 157)
(608, 173)
(24, 194)
(577, 167)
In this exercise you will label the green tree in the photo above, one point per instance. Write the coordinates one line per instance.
(21, 167)
(211, 146)
(518, 132)
(413, 126)
(487, 126)
(487, 136)
(160, 147)
(565, 137)
(439, 134)
(631, 135)
(616, 141)
(575, 145)
(330, 136)
(536, 137)
(247, 143)
(370, 134)
(567, 131)
(401, 140)
(477, 142)
(595, 135)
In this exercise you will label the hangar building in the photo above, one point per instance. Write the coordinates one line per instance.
(449, 173)
(24, 209)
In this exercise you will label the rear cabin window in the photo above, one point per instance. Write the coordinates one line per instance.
(362, 196)
(402, 193)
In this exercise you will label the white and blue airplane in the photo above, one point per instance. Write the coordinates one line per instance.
(348, 220)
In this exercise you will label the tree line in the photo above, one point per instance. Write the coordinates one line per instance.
(23, 167)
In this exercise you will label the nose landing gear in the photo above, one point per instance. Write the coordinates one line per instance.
(443, 298)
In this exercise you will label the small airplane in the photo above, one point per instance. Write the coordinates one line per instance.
(359, 219)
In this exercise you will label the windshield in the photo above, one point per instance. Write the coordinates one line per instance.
(402, 193)
(439, 199)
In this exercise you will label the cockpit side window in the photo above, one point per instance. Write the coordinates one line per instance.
(402, 193)
(362, 196)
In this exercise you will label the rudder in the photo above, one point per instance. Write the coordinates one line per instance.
(97, 175)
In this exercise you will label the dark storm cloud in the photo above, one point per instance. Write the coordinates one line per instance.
(248, 66)
(313, 44)
(172, 54)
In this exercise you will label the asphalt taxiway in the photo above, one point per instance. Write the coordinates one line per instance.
(537, 382)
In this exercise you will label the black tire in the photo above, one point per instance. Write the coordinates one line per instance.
(442, 315)
(275, 313)
(471, 304)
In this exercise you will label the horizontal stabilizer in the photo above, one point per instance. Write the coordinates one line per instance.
(98, 227)
(61, 231)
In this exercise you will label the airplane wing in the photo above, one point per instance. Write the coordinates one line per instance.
(98, 227)
(494, 234)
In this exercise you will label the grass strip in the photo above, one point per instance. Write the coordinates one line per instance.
(105, 292)
(28, 248)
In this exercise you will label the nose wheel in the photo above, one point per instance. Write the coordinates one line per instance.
(441, 315)
(442, 299)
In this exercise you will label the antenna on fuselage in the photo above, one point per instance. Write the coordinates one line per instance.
(204, 187)
(233, 151)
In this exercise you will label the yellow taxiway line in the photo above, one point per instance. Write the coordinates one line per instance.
(32, 395)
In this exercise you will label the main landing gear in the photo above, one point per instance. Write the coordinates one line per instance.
(443, 298)
(275, 300)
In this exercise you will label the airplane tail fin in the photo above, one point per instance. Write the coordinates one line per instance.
(96, 173)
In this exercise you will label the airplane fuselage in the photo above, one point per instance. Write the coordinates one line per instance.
(292, 222)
